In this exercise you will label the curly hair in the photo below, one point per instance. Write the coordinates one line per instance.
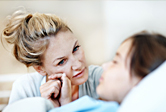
(30, 33)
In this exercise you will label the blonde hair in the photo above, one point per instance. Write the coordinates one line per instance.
(30, 33)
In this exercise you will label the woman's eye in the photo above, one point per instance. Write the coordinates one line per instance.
(76, 48)
(61, 62)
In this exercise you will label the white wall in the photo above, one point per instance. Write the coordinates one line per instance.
(84, 18)
(99, 25)
(124, 18)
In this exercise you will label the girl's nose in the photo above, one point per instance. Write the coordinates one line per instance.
(105, 65)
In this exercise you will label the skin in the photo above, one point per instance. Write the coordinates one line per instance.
(63, 55)
(116, 80)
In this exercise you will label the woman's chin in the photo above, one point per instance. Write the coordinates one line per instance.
(81, 80)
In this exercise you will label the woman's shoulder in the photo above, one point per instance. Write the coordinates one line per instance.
(25, 86)
(32, 78)
(95, 70)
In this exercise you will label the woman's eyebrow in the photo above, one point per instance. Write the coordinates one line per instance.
(75, 44)
(64, 56)
(59, 58)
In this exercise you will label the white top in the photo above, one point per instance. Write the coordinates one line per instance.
(28, 85)
(31, 104)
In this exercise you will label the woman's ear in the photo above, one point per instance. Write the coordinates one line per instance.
(40, 70)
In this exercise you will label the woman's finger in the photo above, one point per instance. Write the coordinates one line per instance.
(66, 94)
(50, 84)
(48, 93)
(54, 76)
(65, 81)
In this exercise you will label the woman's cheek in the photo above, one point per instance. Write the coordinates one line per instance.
(81, 55)
(68, 71)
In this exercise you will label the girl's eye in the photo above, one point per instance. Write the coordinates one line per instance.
(76, 48)
(62, 62)
(114, 61)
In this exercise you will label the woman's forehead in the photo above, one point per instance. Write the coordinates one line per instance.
(61, 44)
(62, 39)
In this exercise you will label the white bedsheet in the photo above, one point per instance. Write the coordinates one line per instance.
(149, 95)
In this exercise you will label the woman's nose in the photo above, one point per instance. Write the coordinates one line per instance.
(76, 64)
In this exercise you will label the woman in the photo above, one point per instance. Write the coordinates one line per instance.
(45, 42)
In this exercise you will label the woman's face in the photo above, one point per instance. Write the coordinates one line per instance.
(65, 55)
(116, 80)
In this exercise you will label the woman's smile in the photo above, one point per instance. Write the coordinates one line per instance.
(79, 74)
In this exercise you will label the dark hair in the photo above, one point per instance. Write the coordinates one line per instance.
(147, 51)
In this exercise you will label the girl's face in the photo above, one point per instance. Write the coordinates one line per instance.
(65, 55)
(116, 80)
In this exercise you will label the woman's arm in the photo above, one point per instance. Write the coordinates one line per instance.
(26, 86)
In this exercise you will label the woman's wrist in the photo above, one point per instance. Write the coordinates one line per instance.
(66, 101)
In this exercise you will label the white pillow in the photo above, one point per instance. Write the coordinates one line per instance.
(149, 95)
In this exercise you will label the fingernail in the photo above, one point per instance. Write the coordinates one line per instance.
(63, 74)
(49, 77)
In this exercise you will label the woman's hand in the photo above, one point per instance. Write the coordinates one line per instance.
(65, 95)
(50, 90)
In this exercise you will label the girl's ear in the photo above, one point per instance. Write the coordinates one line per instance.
(40, 70)
(136, 80)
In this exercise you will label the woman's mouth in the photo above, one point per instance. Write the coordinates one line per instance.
(79, 74)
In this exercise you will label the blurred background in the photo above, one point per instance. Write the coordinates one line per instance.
(100, 27)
